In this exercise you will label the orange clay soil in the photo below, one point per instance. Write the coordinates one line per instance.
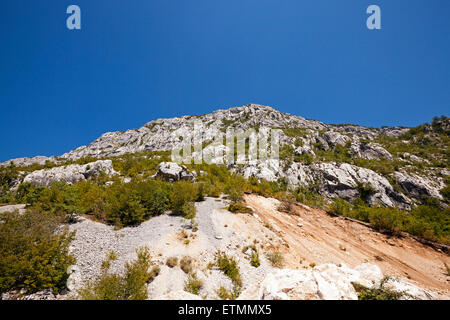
(314, 237)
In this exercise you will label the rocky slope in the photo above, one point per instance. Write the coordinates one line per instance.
(323, 255)
(338, 160)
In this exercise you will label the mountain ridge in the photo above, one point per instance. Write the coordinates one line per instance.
(219, 113)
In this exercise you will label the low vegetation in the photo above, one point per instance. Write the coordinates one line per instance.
(429, 221)
(34, 252)
(186, 264)
(132, 285)
(381, 292)
(225, 294)
(193, 284)
(172, 262)
(229, 267)
(276, 258)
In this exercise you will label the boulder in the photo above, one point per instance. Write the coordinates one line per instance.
(74, 280)
(70, 173)
(170, 171)
(19, 208)
(334, 138)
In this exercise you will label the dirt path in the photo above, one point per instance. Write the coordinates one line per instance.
(314, 237)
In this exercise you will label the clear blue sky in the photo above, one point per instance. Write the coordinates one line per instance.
(135, 61)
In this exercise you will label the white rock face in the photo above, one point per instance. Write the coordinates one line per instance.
(369, 151)
(331, 139)
(410, 291)
(70, 174)
(417, 186)
(330, 282)
(342, 180)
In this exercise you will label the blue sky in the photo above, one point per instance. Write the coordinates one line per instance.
(135, 61)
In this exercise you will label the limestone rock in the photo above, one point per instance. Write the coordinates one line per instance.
(70, 174)
(369, 151)
(417, 186)
(330, 282)
(170, 171)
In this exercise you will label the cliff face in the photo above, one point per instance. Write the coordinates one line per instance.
(398, 165)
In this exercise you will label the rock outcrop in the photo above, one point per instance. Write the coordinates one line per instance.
(70, 173)
(369, 151)
(419, 186)
(333, 179)
(25, 162)
(170, 171)
(345, 180)
(330, 282)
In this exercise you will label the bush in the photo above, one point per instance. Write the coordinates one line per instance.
(193, 284)
(365, 191)
(7, 177)
(235, 188)
(33, 256)
(239, 208)
(130, 286)
(225, 294)
(276, 258)
(182, 198)
(172, 262)
(385, 219)
(229, 267)
(186, 264)
(429, 220)
(254, 259)
(377, 293)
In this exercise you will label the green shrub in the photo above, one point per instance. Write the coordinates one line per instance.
(254, 259)
(239, 208)
(225, 294)
(378, 293)
(193, 284)
(429, 220)
(130, 286)
(365, 191)
(32, 255)
(229, 267)
(182, 198)
(235, 188)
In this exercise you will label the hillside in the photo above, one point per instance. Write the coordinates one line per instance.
(345, 204)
